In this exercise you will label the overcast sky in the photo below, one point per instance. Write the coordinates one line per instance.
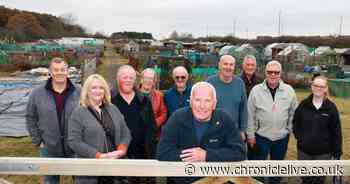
(201, 17)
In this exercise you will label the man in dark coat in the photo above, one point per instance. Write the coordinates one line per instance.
(138, 114)
(200, 133)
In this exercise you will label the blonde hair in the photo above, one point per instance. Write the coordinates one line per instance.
(84, 99)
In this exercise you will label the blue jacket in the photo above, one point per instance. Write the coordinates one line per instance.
(222, 140)
(174, 101)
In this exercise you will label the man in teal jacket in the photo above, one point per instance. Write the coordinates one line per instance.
(231, 92)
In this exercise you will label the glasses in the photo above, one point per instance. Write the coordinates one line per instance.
(180, 77)
(319, 86)
(273, 72)
(147, 79)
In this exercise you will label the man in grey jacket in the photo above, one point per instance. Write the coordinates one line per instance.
(271, 107)
(48, 111)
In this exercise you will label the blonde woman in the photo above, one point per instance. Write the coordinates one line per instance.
(317, 127)
(97, 128)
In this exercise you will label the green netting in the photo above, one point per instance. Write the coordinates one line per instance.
(167, 53)
(194, 57)
(3, 58)
(339, 87)
(197, 71)
(31, 48)
(47, 61)
(11, 47)
(204, 71)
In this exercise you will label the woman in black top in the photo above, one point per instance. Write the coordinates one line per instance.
(317, 127)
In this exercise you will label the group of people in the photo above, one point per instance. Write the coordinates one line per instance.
(225, 118)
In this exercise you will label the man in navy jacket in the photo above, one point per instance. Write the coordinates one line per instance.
(200, 133)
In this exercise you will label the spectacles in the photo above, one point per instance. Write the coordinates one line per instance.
(147, 79)
(180, 77)
(273, 72)
(318, 86)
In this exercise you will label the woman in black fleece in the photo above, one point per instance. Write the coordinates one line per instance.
(317, 127)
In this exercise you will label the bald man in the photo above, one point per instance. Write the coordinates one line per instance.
(231, 93)
(200, 133)
(179, 95)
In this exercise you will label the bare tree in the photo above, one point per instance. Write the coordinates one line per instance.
(68, 18)
(174, 35)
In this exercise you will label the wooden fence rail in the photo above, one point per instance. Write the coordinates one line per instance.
(126, 167)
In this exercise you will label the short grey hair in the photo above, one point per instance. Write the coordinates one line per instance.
(273, 62)
(203, 83)
(252, 57)
(177, 68)
(125, 68)
(150, 70)
(227, 56)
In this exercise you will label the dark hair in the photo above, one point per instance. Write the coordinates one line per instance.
(57, 60)
(314, 76)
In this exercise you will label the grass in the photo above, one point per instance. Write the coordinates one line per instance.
(22, 147)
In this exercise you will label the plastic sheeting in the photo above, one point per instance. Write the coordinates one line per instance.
(14, 94)
(13, 100)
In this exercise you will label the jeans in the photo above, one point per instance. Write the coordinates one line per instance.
(277, 150)
(49, 179)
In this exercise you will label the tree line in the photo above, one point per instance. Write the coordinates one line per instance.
(131, 35)
(311, 41)
(26, 26)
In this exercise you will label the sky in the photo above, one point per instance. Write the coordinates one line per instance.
(245, 18)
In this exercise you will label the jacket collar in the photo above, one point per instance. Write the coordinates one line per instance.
(189, 118)
(281, 85)
(140, 97)
(325, 104)
(244, 77)
(70, 86)
(184, 92)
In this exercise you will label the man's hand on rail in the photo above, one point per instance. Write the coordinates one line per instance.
(196, 154)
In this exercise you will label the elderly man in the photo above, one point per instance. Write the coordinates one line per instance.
(200, 133)
(231, 92)
(248, 74)
(138, 115)
(179, 95)
(271, 107)
(48, 111)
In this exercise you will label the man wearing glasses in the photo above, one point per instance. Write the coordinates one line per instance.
(179, 95)
(271, 107)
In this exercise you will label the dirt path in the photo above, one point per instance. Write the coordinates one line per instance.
(110, 64)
